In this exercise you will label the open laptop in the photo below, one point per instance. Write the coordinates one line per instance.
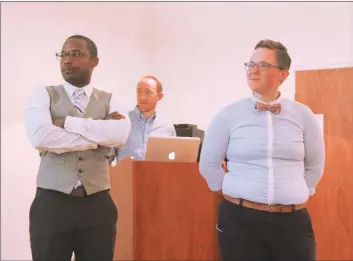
(173, 149)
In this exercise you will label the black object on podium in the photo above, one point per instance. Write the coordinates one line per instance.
(190, 130)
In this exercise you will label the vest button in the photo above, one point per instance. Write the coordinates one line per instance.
(80, 171)
(80, 158)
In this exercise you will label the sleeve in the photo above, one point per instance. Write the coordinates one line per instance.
(314, 144)
(107, 133)
(41, 132)
(214, 150)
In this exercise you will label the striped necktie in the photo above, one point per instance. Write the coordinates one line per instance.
(80, 100)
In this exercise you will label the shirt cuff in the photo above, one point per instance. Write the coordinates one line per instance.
(311, 191)
(216, 187)
(74, 124)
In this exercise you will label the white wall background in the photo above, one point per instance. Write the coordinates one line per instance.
(200, 48)
(196, 49)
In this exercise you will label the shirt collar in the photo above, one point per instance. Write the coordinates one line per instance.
(70, 89)
(277, 101)
(139, 114)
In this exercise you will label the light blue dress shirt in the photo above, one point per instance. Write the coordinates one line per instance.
(141, 129)
(273, 158)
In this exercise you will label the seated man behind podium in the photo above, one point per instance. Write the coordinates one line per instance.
(144, 120)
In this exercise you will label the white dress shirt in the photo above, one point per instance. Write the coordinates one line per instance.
(273, 158)
(78, 134)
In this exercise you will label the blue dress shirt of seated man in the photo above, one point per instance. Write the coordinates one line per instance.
(141, 129)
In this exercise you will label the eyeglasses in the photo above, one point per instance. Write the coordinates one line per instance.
(72, 55)
(263, 66)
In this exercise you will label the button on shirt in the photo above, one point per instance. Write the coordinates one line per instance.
(273, 158)
(141, 129)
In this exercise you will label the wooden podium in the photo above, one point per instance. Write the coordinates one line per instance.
(166, 212)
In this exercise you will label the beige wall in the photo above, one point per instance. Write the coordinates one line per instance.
(197, 50)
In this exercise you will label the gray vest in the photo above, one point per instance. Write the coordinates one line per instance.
(61, 171)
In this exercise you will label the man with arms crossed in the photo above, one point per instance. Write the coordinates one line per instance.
(74, 126)
(144, 121)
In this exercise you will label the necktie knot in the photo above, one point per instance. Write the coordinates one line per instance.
(79, 93)
(274, 108)
(80, 101)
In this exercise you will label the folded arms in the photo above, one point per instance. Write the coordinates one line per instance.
(72, 133)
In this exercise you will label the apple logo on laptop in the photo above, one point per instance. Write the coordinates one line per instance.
(171, 156)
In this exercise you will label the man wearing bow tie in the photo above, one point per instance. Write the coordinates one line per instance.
(276, 155)
(74, 126)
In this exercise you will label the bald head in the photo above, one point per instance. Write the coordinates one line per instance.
(148, 83)
(149, 93)
(153, 81)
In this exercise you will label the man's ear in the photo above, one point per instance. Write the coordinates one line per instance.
(95, 62)
(160, 96)
(284, 75)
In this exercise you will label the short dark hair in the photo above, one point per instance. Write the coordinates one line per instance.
(159, 84)
(91, 46)
(283, 58)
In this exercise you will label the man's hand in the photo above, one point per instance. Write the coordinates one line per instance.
(115, 116)
(224, 166)
(60, 122)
